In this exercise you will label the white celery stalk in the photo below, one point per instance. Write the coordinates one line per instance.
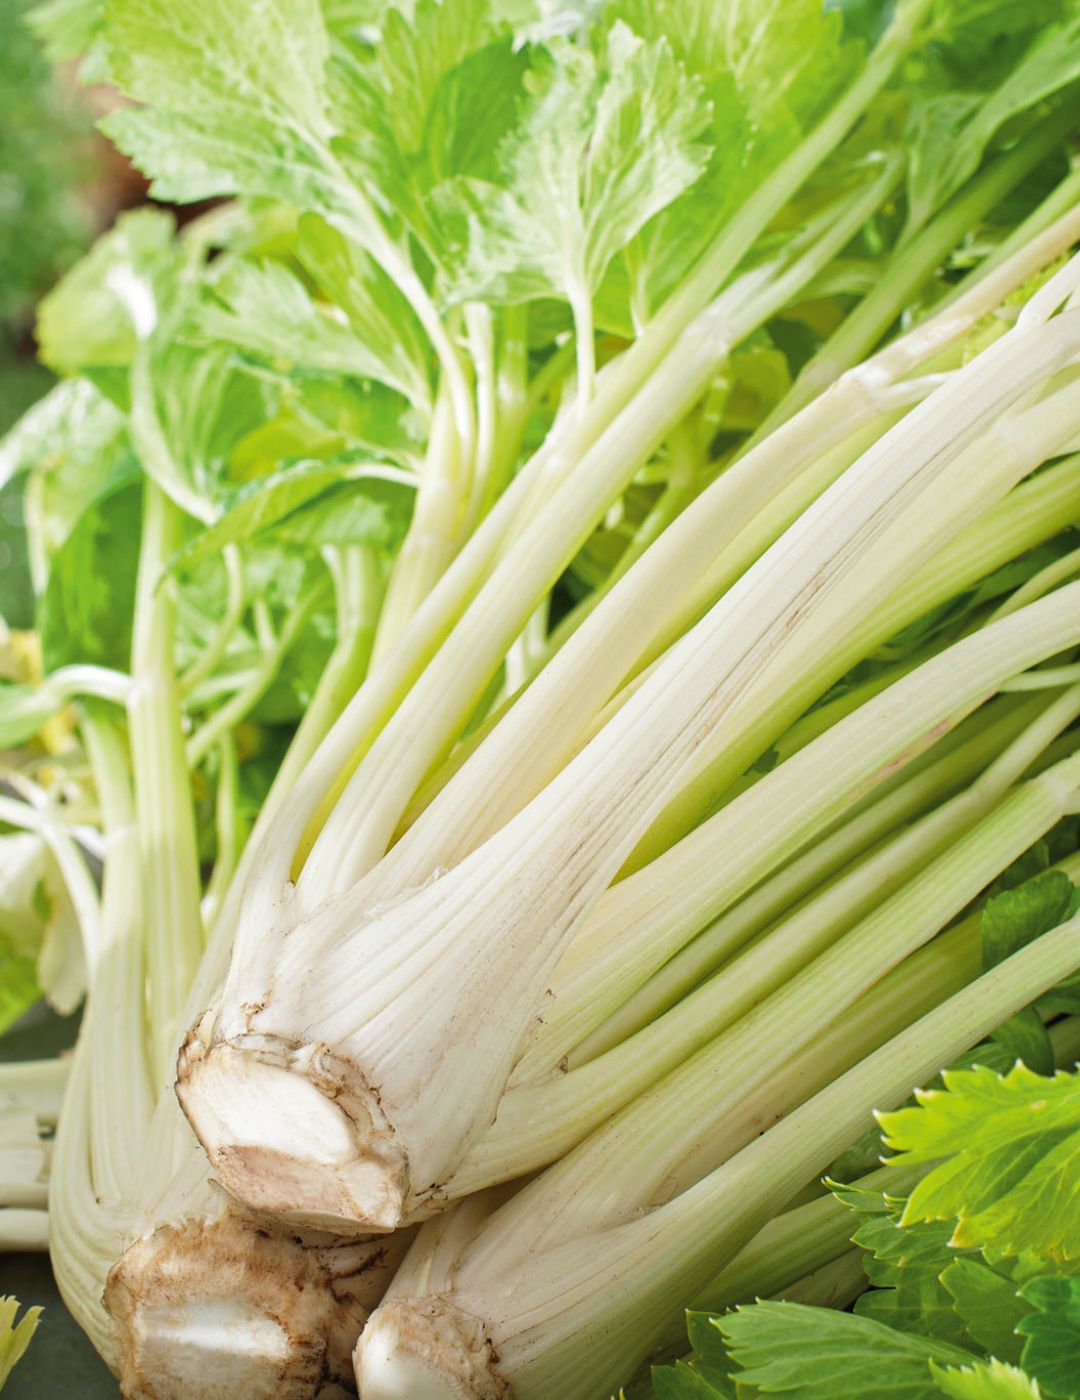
(805, 1238)
(533, 555)
(547, 724)
(363, 721)
(696, 1117)
(644, 920)
(536, 1123)
(178, 1292)
(576, 1320)
(798, 879)
(348, 1055)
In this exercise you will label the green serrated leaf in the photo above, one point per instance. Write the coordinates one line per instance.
(905, 1267)
(990, 1380)
(1013, 918)
(1052, 1348)
(817, 1354)
(15, 1337)
(378, 510)
(602, 145)
(1012, 1145)
(235, 100)
(685, 1382)
(950, 133)
(1025, 1037)
(264, 309)
(988, 1305)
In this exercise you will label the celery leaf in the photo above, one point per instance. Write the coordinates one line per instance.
(603, 143)
(235, 97)
(990, 1380)
(1013, 1149)
(817, 1354)
(15, 1337)
(1053, 1335)
(266, 310)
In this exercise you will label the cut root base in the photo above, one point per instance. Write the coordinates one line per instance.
(293, 1132)
(426, 1349)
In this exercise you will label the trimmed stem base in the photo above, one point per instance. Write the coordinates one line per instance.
(427, 1349)
(295, 1132)
(226, 1309)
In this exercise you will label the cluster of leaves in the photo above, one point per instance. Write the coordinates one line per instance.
(975, 1276)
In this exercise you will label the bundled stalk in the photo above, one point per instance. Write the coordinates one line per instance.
(552, 738)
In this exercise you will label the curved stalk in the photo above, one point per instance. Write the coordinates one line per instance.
(577, 1320)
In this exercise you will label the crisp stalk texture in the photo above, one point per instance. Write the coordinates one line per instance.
(577, 1320)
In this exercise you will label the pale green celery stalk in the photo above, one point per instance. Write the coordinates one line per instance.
(480, 332)
(810, 1235)
(118, 1121)
(252, 1062)
(801, 877)
(522, 660)
(164, 817)
(694, 1119)
(274, 650)
(434, 531)
(679, 490)
(834, 1285)
(356, 834)
(1061, 200)
(1060, 571)
(791, 1246)
(235, 602)
(359, 587)
(513, 402)
(99, 682)
(577, 1320)
(24, 1155)
(644, 920)
(229, 838)
(374, 705)
(35, 1084)
(1028, 515)
(24, 1231)
(539, 728)
(101, 1143)
(580, 302)
(538, 1122)
(1045, 678)
(912, 264)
